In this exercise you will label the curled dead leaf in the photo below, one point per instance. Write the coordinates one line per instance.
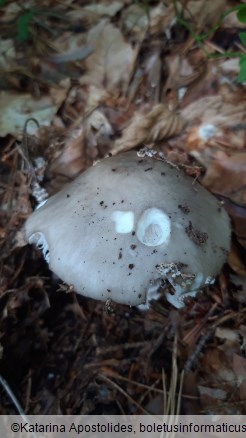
(158, 124)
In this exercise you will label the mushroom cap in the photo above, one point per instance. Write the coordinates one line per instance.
(128, 223)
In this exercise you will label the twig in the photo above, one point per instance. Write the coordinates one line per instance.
(126, 346)
(194, 332)
(146, 393)
(151, 388)
(12, 397)
(171, 406)
(194, 356)
(118, 388)
(15, 402)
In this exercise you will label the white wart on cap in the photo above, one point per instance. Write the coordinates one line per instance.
(128, 223)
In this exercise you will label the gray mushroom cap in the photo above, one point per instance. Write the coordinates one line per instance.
(129, 224)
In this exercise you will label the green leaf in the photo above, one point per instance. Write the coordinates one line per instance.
(2, 3)
(23, 25)
(242, 37)
(242, 69)
(241, 15)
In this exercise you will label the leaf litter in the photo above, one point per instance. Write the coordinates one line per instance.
(100, 78)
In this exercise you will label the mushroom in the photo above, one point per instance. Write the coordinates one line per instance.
(130, 225)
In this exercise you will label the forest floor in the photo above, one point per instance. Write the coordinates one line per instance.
(80, 80)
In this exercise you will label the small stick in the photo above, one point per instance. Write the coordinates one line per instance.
(16, 403)
(106, 379)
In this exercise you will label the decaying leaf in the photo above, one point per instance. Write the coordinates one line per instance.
(137, 18)
(109, 65)
(211, 395)
(11, 10)
(98, 130)
(215, 110)
(236, 262)
(218, 365)
(203, 13)
(122, 60)
(70, 46)
(240, 296)
(239, 367)
(108, 8)
(213, 120)
(227, 176)
(180, 72)
(227, 335)
(7, 53)
(69, 161)
(158, 124)
(230, 67)
(16, 108)
(238, 219)
(161, 19)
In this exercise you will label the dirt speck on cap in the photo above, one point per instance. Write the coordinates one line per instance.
(184, 208)
(197, 236)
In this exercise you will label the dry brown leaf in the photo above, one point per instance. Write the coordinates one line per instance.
(180, 72)
(109, 65)
(231, 20)
(215, 110)
(240, 294)
(242, 333)
(203, 13)
(98, 130)
(229, 66)
(239, 368)
(215, 400)
(16, 108)
(227, 176)
(158, 19)
(209, 396)
(95, 96)
(227, 335)
(7, 53)
(217, 365)
(70, 46)
(213, 121)
(69, 161)
(158, 124)
(135, 20)
(161, 18)
(11, 11)
(108, 8)
(235, 261)
(238, 219)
